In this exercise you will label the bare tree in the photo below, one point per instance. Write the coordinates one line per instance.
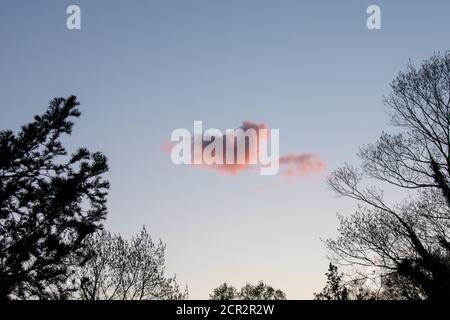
(405, 244)
(126, 270)
(339, 287)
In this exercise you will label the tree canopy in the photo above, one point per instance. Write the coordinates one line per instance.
(49, 203)
(260, 291)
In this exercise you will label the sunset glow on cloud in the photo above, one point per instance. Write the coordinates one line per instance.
(251, 150)
(292, 165)
(298, 165)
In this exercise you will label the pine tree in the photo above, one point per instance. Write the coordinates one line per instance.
(49, 203)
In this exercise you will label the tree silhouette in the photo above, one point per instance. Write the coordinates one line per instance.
(337, 289)
(334, 289)
(260, 291)
(224, 292)
(126, 270)
(406, 245)
(49, 203)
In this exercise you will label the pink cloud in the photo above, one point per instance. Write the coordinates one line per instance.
(251, 150)
(291, 165)
(167, 146)
(298, 165)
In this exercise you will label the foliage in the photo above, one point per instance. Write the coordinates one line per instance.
(334, 289)
(49, 204)
(260, 291)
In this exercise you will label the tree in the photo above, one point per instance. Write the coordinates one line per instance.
(406, 244)
(334, 289)
(224, 292)
(337, 289)
(126, 270)
(49, 204)
(260, 291)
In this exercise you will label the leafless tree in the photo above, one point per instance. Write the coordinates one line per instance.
(126, 270)
(404, 244)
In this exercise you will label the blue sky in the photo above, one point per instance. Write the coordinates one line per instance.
(144, 68)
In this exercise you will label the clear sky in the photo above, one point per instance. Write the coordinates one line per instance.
(141, 69)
